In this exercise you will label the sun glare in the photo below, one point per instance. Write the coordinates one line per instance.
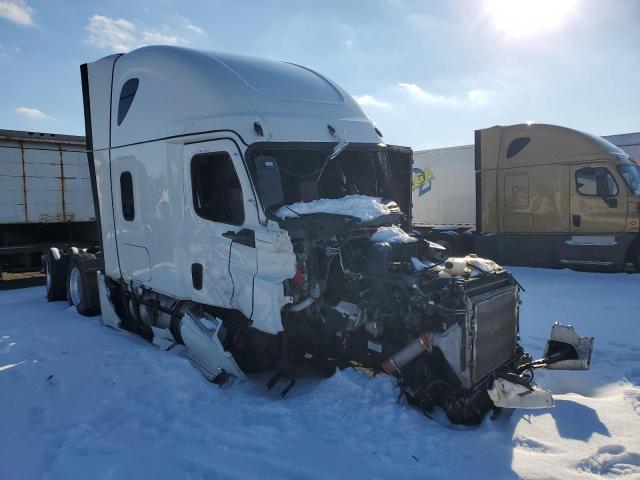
(522, 18)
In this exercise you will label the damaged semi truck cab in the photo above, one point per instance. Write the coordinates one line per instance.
(250, 211)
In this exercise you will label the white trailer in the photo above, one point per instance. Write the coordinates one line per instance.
(45, 196)
(443, 189)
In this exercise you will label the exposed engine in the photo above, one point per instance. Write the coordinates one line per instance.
(444, 330)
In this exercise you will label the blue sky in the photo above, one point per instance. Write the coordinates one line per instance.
(427, 72)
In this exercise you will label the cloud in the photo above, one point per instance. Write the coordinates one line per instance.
(473, 97)
(188, 25)
(16, 11)
(479, 96)
(115, 35)
(370, 101)
(195, 29)
(424, 96)
(153, 38)
(33, 113)
(120, 35)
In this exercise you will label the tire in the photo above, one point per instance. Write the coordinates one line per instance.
(55, 270)
(82, 284)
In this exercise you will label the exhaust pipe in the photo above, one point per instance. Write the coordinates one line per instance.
(424, 343)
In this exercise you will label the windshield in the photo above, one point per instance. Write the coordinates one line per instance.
(631, 175)
(307, 173)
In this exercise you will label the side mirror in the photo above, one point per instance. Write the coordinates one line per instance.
(611, 202)
(269, 181)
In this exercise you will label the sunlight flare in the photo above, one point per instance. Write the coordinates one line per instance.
(523, 18)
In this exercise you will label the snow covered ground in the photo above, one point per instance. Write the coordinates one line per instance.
(80, 400)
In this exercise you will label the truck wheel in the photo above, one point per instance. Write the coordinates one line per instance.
(55, 269)
(82, 284)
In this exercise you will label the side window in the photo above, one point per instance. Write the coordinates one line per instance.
(516, 146)
(127, 93)
(596, 182)
(126, 196)
(217, 195)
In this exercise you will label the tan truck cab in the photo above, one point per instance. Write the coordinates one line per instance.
(552, 196)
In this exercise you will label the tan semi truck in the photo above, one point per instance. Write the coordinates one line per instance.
(539, 195)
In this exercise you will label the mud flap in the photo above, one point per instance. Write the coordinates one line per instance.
(109, 315)
(200, 334)
(567, 350)
(506, 394)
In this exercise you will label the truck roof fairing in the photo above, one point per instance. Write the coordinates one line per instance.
(183, 92)
(549, 144)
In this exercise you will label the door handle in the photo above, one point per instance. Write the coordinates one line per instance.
(576, 220)
(246, 237)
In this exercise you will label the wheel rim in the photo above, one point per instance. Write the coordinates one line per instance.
(74, 286)
(47, 275)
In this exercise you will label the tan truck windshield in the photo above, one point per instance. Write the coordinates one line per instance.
(631, 175)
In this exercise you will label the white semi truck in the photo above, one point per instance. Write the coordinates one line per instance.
(45, 197)
(533, 195)
(252, 215)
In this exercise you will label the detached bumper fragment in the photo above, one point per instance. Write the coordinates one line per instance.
(508, 394)
(566, 349)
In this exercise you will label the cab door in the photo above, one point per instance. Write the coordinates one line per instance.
(220, 220)
(598, 202)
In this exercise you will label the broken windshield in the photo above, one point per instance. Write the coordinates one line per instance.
(288, 175)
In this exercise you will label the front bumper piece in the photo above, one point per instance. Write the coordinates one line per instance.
(566, 349)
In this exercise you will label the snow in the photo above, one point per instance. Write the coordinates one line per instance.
(360, 206)
(392, 234)
(80, 400)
